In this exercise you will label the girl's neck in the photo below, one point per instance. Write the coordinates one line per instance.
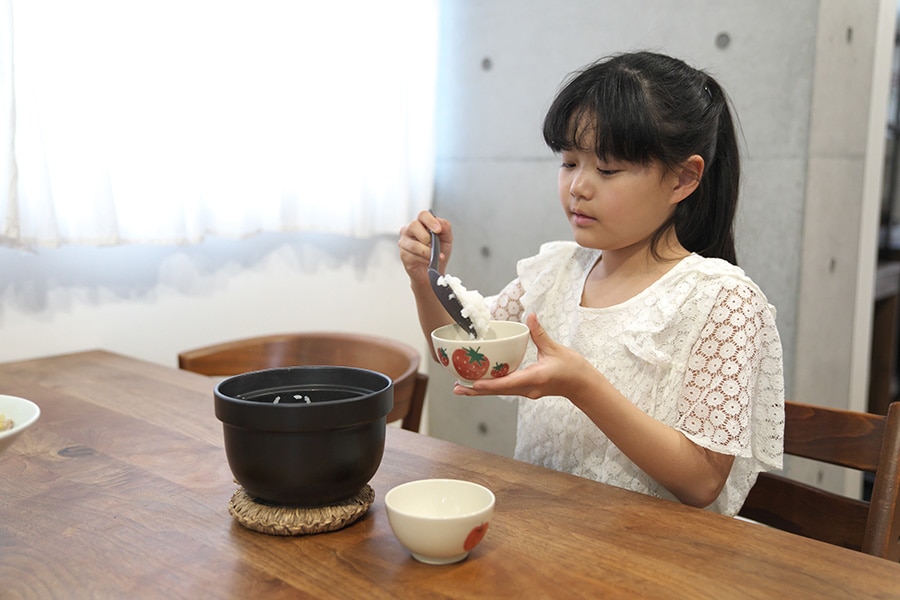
(619, 275)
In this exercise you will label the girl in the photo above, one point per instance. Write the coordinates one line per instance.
(656, 364)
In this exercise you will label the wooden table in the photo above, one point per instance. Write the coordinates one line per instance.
(121, 490)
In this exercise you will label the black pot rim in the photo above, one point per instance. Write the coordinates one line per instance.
(373, 398)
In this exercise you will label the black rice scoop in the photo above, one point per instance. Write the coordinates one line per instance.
(445, 293)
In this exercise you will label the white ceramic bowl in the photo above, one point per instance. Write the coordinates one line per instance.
(439, 520)
(496, 355)
(24, 413)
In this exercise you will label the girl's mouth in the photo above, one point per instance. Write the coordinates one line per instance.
(581, 219)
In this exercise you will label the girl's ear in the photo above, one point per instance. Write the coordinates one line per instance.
(688, 178)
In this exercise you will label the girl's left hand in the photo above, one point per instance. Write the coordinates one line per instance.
(554, 374)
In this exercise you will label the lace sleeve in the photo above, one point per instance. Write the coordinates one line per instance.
(507, 305)
(731, 393)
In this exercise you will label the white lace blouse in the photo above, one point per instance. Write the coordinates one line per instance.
(697, 350)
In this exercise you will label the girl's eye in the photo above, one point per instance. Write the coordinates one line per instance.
(607, 172)
(567, 165)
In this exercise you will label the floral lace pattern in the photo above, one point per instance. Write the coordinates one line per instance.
(697, 350)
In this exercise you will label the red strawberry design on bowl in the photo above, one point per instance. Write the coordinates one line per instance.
(470, 363)
(475, 536)
(443, 357)
(468, 359)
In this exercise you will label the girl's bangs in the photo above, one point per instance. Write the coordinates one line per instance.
(610, 120)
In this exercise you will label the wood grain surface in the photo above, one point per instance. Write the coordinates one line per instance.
(121, 490)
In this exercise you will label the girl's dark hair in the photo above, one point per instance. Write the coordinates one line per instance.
(644, 107)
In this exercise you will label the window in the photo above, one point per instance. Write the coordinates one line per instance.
(167, 121)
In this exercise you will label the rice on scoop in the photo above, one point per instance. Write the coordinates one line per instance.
(473, 305)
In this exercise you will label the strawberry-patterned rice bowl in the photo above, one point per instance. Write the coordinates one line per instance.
(439, 520)
(469, 359)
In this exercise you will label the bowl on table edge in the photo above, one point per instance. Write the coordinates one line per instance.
(439, 520)
(469, 359)
(23, 413)
(304, 436)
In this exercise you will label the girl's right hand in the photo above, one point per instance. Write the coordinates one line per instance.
(415, 253)
(415, 245)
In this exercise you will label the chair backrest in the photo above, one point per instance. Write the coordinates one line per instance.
(861, 441)
(395, 359)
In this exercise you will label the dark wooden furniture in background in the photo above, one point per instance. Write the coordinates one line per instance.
(861, 441)
(395, 359)
(883, 364)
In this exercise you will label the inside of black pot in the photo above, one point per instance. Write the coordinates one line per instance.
(303, 394)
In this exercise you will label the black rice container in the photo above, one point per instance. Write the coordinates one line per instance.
(304, 436)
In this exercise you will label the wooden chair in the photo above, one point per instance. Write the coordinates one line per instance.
(397, 360)
(862, 441)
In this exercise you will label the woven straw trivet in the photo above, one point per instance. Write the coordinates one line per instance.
(288, 520)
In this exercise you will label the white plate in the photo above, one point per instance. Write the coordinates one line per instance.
(24, 414)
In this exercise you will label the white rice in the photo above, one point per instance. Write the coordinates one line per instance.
(296, 397)
(473, 305)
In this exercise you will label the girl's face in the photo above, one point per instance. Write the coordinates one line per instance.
(614, 205)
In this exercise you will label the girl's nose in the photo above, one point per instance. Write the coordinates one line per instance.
(580, 185)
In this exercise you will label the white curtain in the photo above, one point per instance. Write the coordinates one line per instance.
(137, 121)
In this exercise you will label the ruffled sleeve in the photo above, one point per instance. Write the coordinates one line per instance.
(558, 264)
(733, 393)
(538, 274)
(733, 399)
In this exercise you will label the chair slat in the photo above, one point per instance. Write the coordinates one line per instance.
(839, 437)
(799, 508)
